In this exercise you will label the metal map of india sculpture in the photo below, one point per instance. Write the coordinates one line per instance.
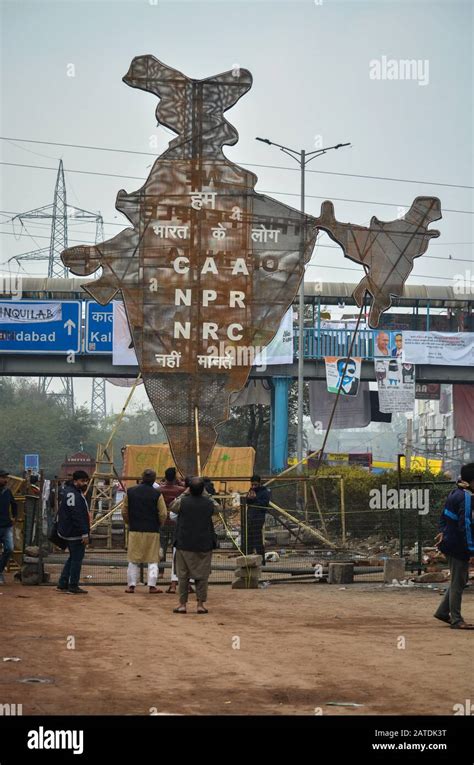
(210, 266)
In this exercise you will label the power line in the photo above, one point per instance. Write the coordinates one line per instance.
(315, 265)
(262, 191)
(245, 164)
(73, 221)
(326, 246)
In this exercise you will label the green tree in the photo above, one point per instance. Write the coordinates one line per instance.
(36, 423)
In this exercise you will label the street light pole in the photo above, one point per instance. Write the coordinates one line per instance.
(299, 431)
(303, 158)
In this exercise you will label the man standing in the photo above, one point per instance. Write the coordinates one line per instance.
(456, 542)
(195, 541)
(74, 527)
(144, 510)
(7, 503)
(258, 501)
(170, 489)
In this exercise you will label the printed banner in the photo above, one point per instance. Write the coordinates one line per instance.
(446, 348)
(396, 385)
(122, 348)
(428, 391)
(280, 350)
(334, 374)
(388, 344)
(14, 313)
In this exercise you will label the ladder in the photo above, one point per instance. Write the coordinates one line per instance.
(102, 483)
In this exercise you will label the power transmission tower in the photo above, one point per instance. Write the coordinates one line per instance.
(59, 213)
(98, 400)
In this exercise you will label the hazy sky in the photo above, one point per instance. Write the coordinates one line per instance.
(311, 68)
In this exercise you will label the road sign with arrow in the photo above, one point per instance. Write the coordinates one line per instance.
(28, 326)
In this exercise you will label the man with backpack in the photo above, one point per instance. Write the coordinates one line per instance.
(456, 541)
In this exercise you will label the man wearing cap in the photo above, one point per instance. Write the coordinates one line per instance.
(7, 504)
(144, 510)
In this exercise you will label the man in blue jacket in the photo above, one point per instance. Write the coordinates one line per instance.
(258, 501)
(74, 527)
(7, 504)
(456, 541)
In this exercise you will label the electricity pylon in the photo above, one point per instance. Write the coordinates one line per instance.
(59, 212)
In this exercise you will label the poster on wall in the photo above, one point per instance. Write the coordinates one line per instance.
(396, 385)
(338, 374)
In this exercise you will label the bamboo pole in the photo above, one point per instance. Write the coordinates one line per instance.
(117, 423)
(198, 451)
(318, 507)
(343, 511)
(315, 533)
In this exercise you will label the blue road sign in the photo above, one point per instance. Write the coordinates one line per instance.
(99, 326)
(40, 326)
(32, 462)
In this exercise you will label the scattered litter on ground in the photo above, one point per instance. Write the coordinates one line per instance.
(342, 704)
(401, 583)
(11, 658)
(36, 680)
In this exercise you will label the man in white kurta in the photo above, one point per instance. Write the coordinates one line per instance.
(144, 511)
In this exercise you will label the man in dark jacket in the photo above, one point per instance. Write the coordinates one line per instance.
(195, 541)
(8, 510)
(74, 527)
(456, 542)
(258, 501)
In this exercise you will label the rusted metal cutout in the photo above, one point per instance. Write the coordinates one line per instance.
(386, 249)
(209, 266)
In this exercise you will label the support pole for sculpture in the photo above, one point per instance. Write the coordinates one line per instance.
(198, 453)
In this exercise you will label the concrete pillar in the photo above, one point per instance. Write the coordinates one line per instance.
(279, 424)
(393, 568)
(247, 572)
(341, 573)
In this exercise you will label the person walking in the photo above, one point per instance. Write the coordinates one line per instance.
(144, 511)
(8, 512)
(258, 502)
(74, 527)
(455, 540)
(195, 541)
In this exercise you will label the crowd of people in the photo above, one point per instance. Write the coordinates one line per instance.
(171, 513)
(179, 514)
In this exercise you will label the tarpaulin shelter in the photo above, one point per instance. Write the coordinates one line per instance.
(224, 462)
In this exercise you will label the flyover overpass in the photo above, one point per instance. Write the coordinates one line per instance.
(319, 341)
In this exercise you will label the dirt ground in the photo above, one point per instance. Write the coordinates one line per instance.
(301, 646)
